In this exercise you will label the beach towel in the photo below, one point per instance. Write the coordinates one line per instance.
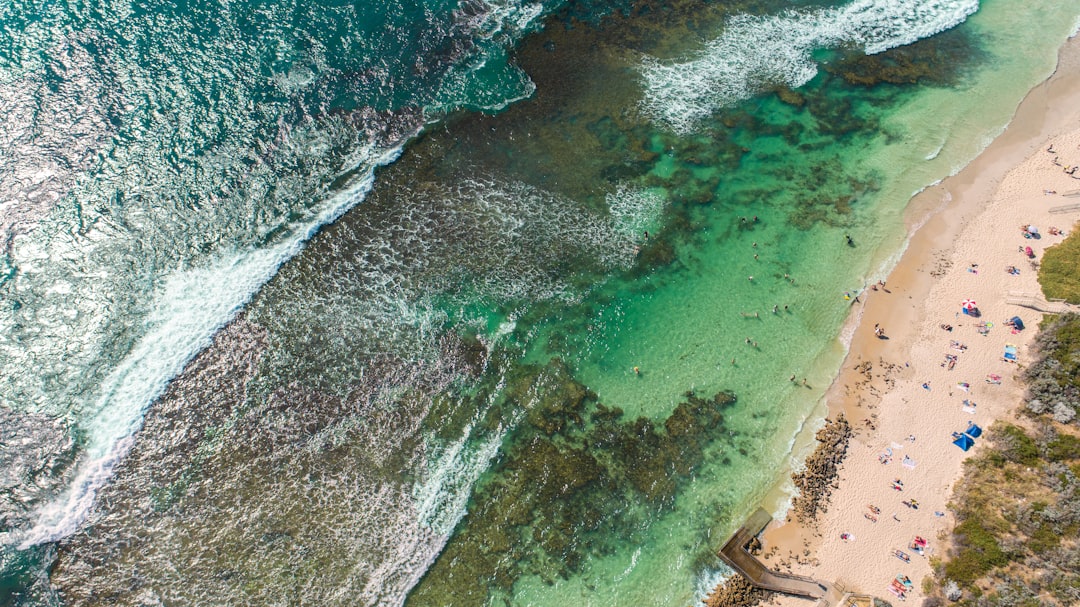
(963, 385)
(908, 462)
(1010, 354)
(992, 378)
(969, 407)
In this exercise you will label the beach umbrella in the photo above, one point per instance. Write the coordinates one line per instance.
(968, 304)
(964, 441)
(1032, 230)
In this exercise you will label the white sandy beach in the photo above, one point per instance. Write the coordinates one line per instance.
(900, 392)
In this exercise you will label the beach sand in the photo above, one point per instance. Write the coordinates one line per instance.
(899, 392)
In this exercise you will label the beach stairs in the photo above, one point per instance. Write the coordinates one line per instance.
(837, 595)
(734, 553)
(857, 600)
(1035, 301)
(841, 596)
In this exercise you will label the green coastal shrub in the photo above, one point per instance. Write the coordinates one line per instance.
(1014, 444)
(1053, 379)
(1058, 273)
(979, 552)
(1063, 448)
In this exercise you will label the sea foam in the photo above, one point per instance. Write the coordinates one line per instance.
(756, 52)
(187, 312)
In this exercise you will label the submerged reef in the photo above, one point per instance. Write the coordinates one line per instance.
(577, 480)
(940, 60)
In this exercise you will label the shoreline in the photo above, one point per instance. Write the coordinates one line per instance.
(936, 217)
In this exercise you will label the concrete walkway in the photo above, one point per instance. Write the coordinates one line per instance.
(735, 555)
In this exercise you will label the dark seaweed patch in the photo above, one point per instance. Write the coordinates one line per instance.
(577, 480)
(941, 60)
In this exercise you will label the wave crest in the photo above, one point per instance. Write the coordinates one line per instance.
(754, 53)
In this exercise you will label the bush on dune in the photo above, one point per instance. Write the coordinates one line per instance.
(1058, 273)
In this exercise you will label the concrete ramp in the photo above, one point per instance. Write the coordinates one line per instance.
(1066, 208)
(754, 571)
(1035, 301)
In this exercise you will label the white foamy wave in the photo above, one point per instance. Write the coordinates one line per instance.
(934, 154)
(489, 19)
(441, 496)
(707, 580)
(186, 312)
(633, 211)
(630, 568)
(754, 52)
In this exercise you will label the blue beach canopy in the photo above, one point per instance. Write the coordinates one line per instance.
(964, 442)
(1017, 323)
(973, 430)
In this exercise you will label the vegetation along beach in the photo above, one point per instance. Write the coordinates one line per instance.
(536, 303)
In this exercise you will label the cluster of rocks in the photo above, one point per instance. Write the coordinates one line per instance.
(816, 482)
(736, 592)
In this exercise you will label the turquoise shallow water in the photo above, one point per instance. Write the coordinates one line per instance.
(398, 370)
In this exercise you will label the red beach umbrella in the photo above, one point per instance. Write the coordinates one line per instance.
(968, 304)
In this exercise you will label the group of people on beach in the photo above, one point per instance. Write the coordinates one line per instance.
(1069, 170)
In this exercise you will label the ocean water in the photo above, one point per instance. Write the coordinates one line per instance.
(481, 326)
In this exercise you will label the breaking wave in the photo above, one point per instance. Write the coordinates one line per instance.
(757, 52)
